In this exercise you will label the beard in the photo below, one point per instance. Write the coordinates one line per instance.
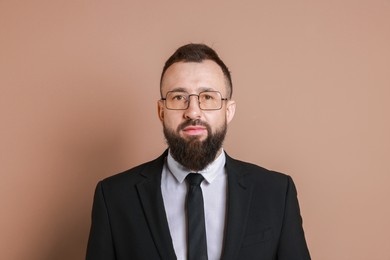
(192, 153)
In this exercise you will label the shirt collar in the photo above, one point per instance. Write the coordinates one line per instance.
(209, 173)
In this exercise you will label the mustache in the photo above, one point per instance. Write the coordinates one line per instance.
(196, 122)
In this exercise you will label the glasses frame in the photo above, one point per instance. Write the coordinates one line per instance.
(188, 97)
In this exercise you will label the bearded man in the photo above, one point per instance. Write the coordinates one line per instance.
(195, 202)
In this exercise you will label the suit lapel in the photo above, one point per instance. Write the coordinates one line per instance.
(239, 199)
(151, 198)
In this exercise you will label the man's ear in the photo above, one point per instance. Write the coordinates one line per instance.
(230, 110)
(160, 110)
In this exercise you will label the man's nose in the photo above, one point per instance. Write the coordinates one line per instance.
(193, 111)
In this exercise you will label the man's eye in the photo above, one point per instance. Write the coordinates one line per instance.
(207, 97)
(178, 98)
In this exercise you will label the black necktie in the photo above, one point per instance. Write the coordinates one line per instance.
(196, 236)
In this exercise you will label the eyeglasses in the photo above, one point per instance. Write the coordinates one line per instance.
(179, 100)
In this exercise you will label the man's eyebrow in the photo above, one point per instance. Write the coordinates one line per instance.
(206, 89)
(179, 89)
(202, 89)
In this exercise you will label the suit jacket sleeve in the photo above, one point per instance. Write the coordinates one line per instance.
(292, 243)
(100, 244)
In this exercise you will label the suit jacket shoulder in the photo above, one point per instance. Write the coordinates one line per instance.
(128, 216)
(256, 174)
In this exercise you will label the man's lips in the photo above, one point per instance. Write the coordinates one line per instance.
(194, 130)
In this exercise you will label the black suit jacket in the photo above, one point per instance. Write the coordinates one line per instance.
(263, 218)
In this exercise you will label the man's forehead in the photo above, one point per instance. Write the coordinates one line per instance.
(205, 75)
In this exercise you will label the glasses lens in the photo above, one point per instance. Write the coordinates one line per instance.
(210, 100)
(176, 100)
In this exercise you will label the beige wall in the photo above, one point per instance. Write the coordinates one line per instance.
(79, 84)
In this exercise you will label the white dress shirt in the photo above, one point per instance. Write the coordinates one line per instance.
(214, 189)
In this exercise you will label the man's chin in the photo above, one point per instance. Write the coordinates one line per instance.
(190, 138)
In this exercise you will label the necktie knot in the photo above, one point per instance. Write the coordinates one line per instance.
(194, 179)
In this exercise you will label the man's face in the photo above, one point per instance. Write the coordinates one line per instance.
(193, 125)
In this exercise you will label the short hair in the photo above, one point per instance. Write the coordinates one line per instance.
(195, 52)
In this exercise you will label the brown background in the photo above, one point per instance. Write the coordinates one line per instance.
(79, 84)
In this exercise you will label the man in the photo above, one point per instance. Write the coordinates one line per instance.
(235, 210)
